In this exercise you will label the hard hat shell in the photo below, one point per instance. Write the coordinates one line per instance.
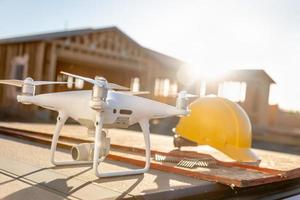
(220, 123)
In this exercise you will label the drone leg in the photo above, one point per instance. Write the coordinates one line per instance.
(61, 119)
(98, 132)
(145, 128)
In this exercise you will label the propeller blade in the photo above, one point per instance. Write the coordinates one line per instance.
(134, 93)
(114, 86)
(89, 80)
(48, 82)
(184, 94)
(18, 83)
(191, 95)
(111, 86)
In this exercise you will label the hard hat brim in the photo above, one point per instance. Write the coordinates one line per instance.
(239, 154)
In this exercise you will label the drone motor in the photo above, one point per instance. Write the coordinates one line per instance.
(182, 101)
(99, 94)
(28, 88)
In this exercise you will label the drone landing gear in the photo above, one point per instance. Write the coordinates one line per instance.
(61, 120)
(99, 123)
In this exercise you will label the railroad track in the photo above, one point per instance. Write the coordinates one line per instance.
(135, 156)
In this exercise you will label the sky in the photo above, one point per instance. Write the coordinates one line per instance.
(210, 35)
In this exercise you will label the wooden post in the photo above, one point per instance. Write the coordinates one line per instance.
(7, 66)
(2, 70)
(39, 62)
(51, 66)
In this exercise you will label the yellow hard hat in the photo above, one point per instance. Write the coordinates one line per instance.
(220, 123)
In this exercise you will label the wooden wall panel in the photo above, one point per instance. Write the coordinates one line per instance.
(50, 64)
(2, 69)
(8, 92)
(108, 53)
(39, 62)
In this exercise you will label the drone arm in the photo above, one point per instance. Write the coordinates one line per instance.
(145, 128)
(61, 119)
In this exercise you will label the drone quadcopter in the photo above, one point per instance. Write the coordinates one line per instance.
(107, 105)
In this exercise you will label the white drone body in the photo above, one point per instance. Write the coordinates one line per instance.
(96, 109)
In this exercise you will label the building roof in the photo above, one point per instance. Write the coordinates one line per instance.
(162, 58)
(54, 35)
(166, 60)
(248, 75)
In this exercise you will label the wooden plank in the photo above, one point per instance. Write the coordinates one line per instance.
(277, 137)
(79, 57)
(51, 66)
(229, 173)
(86, 49)
(39, 62)
(2, 69)
(7, 91)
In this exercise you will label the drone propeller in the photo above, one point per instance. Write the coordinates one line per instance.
(48, 82)
(134, 93)
(28, 84)
(20, 83)
(116, 87)
(17, 83)
(184, 94)
(182, 100)
(111, 86)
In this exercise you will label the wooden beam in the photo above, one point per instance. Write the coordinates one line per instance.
(2, 69)
(8, 58)
(39, 62)
(79, 57)
(100, 51)
(51, 65)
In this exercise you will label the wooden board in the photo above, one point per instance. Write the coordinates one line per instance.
(274, 166)
(230, 173)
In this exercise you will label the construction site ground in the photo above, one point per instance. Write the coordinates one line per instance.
(26, 172)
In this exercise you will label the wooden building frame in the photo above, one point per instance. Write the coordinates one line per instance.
(108, 52)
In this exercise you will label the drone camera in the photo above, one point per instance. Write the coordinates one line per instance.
(85, 151)
(82, 152)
